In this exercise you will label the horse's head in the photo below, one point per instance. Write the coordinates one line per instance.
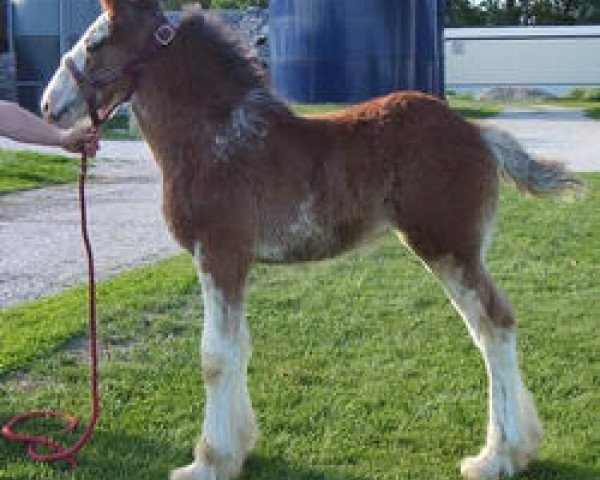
(100, 70)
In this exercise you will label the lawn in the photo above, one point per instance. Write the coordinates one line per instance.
(474, 109)
(361, 369)
(27, 170)
(591, 108)
(593, 112)
(117, 128)
(468, 108)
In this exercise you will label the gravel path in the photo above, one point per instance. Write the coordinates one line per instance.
(40, 241)
(40, 246)
(562, 134)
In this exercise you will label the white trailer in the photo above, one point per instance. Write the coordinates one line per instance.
(552, 58)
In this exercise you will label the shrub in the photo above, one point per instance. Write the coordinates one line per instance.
(585, 94)
(576, 94)
(593, 94)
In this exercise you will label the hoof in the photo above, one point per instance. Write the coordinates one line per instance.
(485, 467)
(196, 471)
(493, 465)
(185, 473)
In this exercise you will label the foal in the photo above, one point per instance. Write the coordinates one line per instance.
(245, 180)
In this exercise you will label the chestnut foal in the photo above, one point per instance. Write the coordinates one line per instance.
(245, 180)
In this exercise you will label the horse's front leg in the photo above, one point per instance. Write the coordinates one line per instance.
(229, 430)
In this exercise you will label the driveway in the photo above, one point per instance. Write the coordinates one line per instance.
(562, 134)
(40, 246)
(40, 240)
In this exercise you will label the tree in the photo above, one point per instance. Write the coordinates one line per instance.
(177, 4)
(585, 11)
(519, 12)
(565, 12)
(239, 3)
(461, 13)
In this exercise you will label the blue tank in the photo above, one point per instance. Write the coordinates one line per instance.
(345, 51)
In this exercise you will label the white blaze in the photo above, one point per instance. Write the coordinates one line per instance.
(62, 96)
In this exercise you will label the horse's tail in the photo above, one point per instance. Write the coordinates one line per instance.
(529, 174)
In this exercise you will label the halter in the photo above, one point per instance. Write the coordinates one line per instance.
(90, 84)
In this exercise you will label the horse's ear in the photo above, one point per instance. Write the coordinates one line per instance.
(145, 4)
(112, 7)
(108, 6)
(191, 9)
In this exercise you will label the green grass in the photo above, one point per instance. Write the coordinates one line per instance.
(361, 369)
(305, 109)
(593, 112)
(591, 108)
(467, 108)
(26, 170)
(117, 128)
(474, 109)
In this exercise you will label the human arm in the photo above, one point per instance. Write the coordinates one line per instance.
(23, 126)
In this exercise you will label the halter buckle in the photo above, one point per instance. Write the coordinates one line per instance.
(164, 34)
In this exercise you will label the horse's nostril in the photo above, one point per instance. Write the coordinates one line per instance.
(49, 113)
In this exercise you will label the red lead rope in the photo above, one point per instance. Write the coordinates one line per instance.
(88, 85)
(56, 451)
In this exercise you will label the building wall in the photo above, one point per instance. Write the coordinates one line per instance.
(8, 74)
(42, 30)
(552, 57)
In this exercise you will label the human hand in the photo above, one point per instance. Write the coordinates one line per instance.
(81, 139)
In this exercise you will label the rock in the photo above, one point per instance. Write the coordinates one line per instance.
(252, 26)
(515, 94)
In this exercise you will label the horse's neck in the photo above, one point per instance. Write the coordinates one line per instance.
(187, 99)
(172, 120)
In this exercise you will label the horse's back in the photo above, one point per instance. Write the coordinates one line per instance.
(421, 164)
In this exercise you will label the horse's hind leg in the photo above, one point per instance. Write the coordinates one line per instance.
(514, 431)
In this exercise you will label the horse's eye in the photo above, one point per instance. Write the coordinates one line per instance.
(94, 46)
(95, 41)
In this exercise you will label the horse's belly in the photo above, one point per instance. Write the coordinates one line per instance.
(294, 251)
(294, 243)
(316, 243)
(306, 235)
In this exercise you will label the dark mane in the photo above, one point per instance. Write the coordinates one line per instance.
(226, 45)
